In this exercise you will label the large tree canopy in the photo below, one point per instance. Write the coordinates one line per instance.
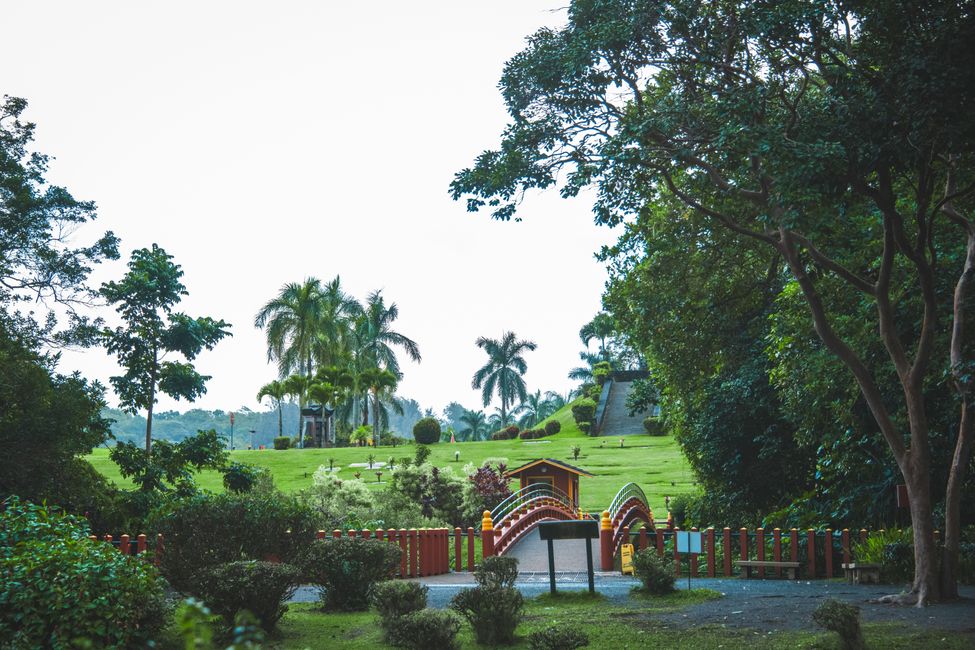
(837, 135)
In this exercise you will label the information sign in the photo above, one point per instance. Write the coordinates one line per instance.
(626, 559)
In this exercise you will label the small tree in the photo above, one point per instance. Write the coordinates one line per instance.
(145, 298)
(427, 431)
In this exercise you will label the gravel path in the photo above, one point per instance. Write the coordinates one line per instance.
(760, 604)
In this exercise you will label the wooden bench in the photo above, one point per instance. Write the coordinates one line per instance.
(790, 568)
(862, 573)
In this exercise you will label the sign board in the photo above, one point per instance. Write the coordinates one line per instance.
(688, 542)
(626, 559)
(582, 529)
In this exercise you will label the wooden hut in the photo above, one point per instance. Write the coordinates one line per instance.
(555, 473)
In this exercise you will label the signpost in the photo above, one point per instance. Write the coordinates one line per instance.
(581, 529)
(688, 543)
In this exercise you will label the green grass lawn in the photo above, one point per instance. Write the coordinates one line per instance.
(655, 463)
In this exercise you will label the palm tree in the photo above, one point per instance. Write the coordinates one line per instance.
(600, 327)
(381, 382)
(585, 373)
(297, 386)
(503, 371)
(477, 425)
(376, 338)
(333, 341)
(292, 319)
(557, 400)
(276, 391)
(533, 410)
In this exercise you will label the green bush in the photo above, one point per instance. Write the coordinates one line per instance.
(59, 589)
(282, 442)
(394, 599)
(426, 431)
(558, 638)
(654, 426)
(552, 427)
(586, 427)
(261, 588)
(584, 410)
(240, 477)
(493, 608)
(205, 530)
(844, 619)
(656, 573)
(421, 454)
(345, 570)
(424, 629)
(893, 550)
(679, 506)
(497, 572)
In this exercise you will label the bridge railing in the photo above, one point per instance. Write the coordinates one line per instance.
(626, 493)
(525, 495)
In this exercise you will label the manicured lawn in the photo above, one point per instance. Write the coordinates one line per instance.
(655, 463)
(638, 625)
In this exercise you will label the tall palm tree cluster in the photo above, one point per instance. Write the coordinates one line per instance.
(335, 352)
(612, 349)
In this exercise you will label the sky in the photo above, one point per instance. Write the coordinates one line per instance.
(262, 143)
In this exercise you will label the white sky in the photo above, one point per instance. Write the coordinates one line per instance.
(263, 142)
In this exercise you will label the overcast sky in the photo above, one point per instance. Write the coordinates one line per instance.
(264, 142)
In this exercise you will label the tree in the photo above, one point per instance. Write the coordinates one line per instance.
(333, 335)
(475, 425)
(600, 327)
(377, 338)
(145, 298)
(276, 391)
(380, 382)
(533, 409)
(503, 370)
(810, 128)
(293, 319)
(172, 465)
(584, 373)
(297, 387)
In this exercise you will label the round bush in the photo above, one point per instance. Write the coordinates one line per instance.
(656, 573)
(558, 637)
(552, 427)
(654, 426)
(584, 410)
(585, 427)
(59, 589)
(511, 432)
(427, 628)
(426, 431)
(345, 570)
(282, 442)
(395, 599)
(261, 588)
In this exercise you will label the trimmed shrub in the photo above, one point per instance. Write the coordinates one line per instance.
(654, 426)
(59, 589)
(656, 573)
(206, 530)
(584, 410)
(282, 442)
(421, 454)
(552, 427)
(345, 570)
(497, 572)
(512, 432)
(426, 431)
(394, 599)
(844, 619)
(586, 427)
(427, 628)
(531, 434)
(240, 477)
(261, 588)
(493, 608)
(558, 638)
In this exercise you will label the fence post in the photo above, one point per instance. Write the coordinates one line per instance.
(380, 534)
(863, 535)
(643, 538)
(676, 529)
(658, 534)
(470, 549)
(811, 553)
(829, 553)
(458, 546)
(405, 552)
(320, 534)
(794, 547)
(336, 534)
(845, 541)
(160, 547)
(711, 551)
(726, 543)
(413, 552)
(743, 543)
(777, 549)
(487, 535)
(693, 561)
(365, 534)
(124, 545)
(606, 542)
(140, 546)
(760, 549)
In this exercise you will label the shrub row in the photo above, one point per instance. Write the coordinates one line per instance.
(551, 428)
(508, 433)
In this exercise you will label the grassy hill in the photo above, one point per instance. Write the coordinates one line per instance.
(656, 464)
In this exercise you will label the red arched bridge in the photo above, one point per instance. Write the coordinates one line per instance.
(518, 516)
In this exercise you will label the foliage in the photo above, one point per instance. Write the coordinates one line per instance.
(240, 477)
(282, 442)
(427, 431)
(261, 588)
(584, 410)
(485, 488)
(532, 434)
(502, 374)
(394, 599)
(194, 620)
(558, 637)
(345, 569)
(421, 454)
(654, 426)
(493, 612)
(844, 619)
(170, 465)
(552, 427)
(644, 397)
(426, 628)
(892, 549)
(586, 428)
(576, 450)
(497, 572)
(438, 492)
(59, 589)
(145, 298)
(257, 525)
(655, 573)
(339, 504)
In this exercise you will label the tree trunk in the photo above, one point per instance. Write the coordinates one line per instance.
(956, 478)
(365, 410)
(280, 421)
(149, 431)
(926, 585)
(375, 419)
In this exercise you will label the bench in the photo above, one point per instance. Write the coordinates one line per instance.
(862, 573)
(790, 568)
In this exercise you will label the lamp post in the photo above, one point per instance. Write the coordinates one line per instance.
(252, 432)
